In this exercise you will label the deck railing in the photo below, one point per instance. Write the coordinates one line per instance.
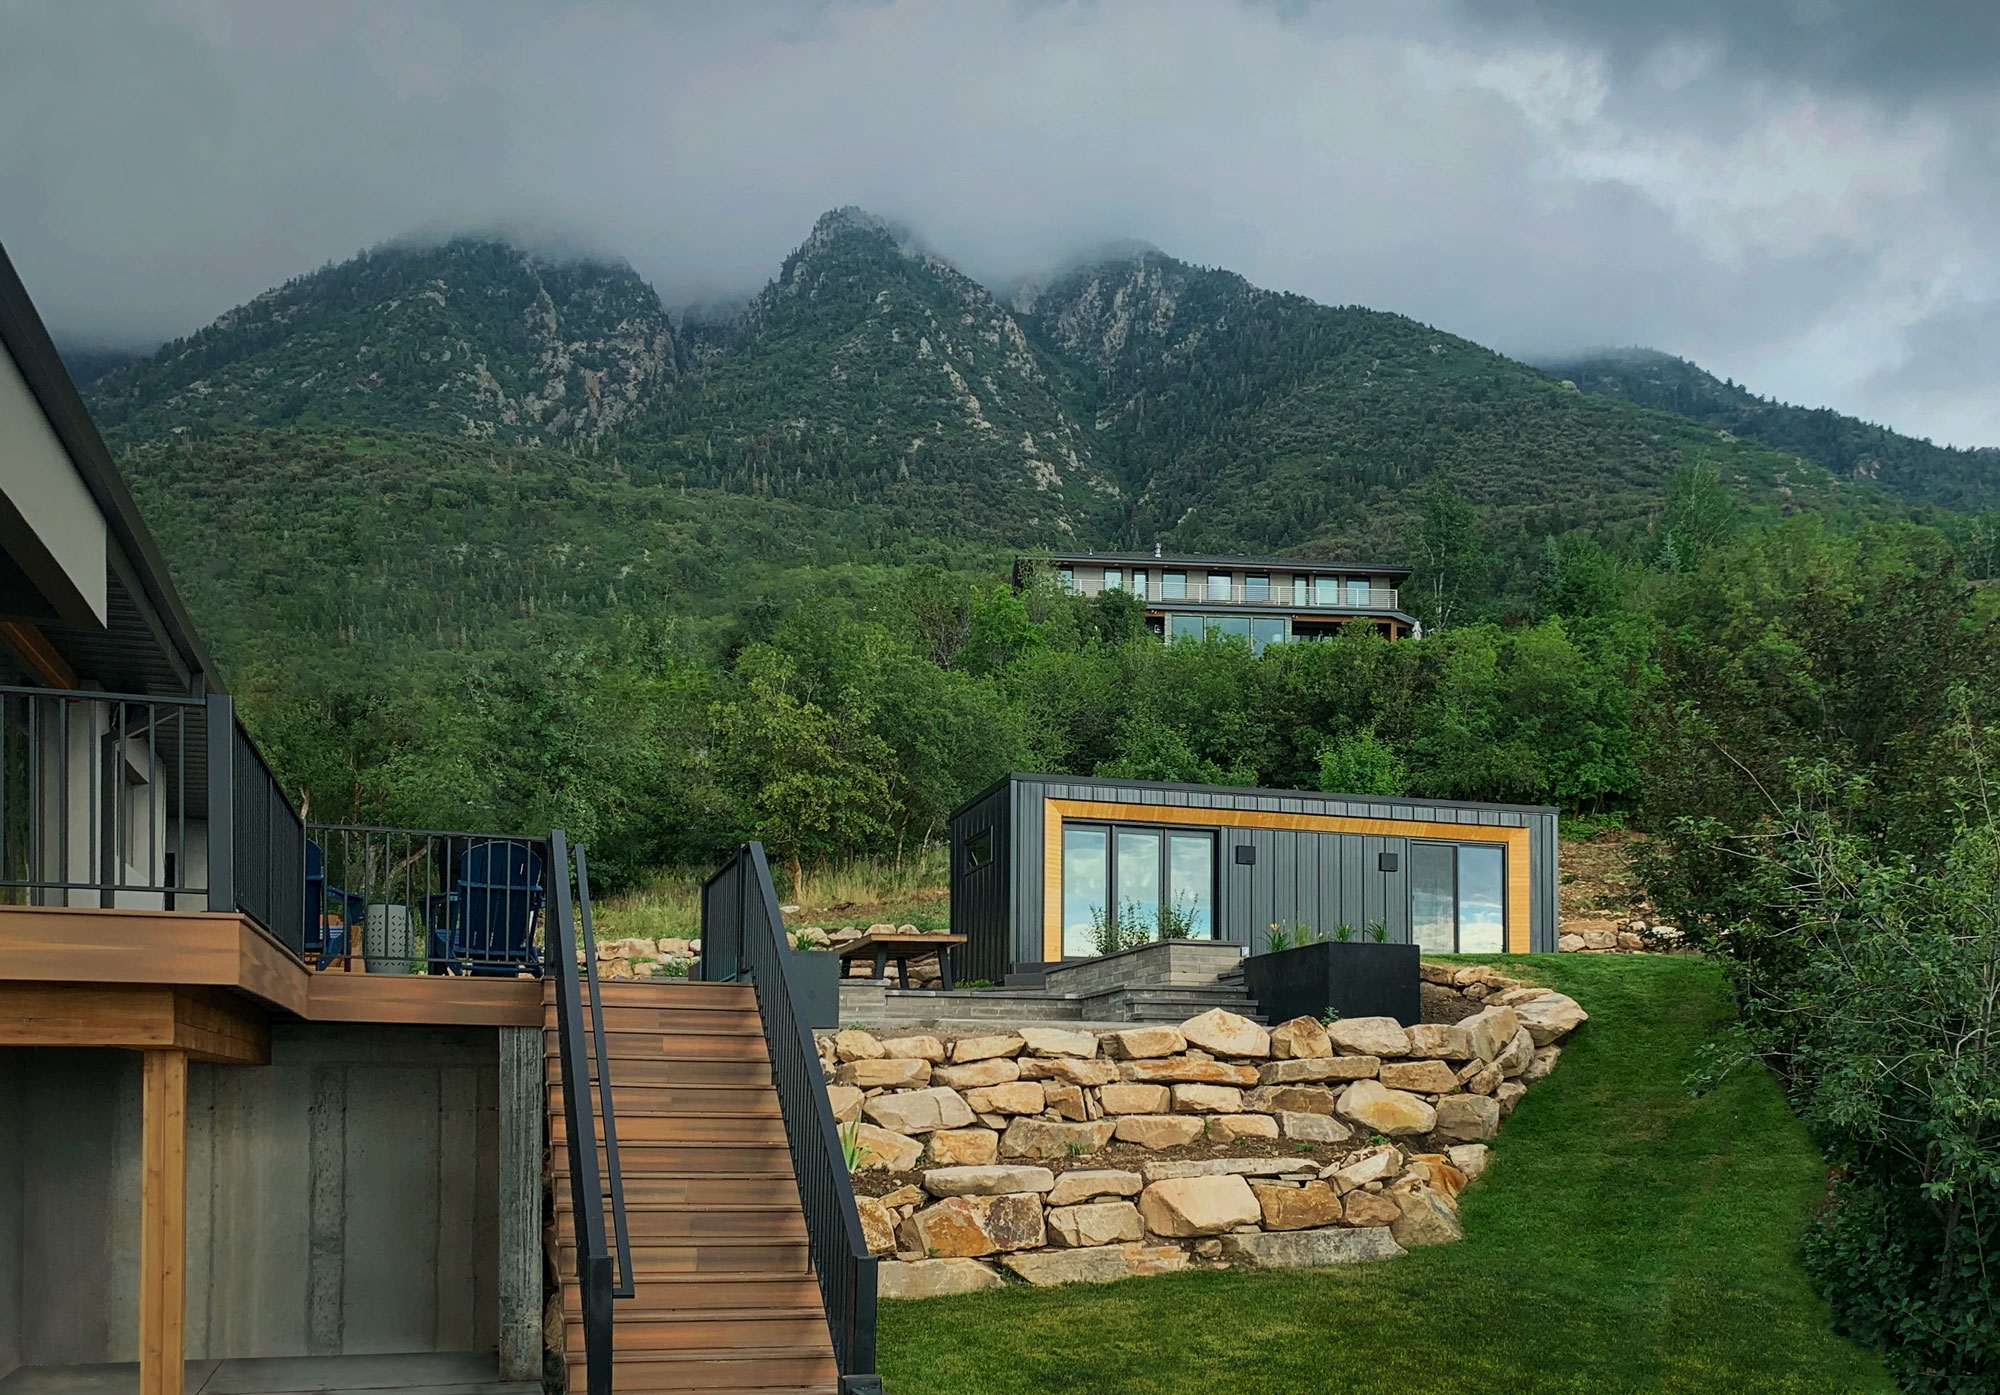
(743, 940)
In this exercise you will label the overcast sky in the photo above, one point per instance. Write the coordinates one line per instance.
(1799, 194)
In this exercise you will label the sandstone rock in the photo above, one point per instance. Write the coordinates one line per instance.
(1319, 1068)
(1084, 1184)
(1362, 1208)
(1144, 1043)
(1227, 1167)
(1311, 1128)
(1058, 1041)
(1302, 1038)
(904, 1196)
(1294, 1099)
(1135, 1099)
(1181, 1207)
(1631, 941)
(1207, 1099)
(1036, 1067)
(996, 1071)
(965, 1227)
(1468, 1118)
(1430, 1076)
(917, 1048)
(1594, 938)
(1470, 1159)
(1077, 1072)
(1068, 1101)
(1227, 1128)
(963, 1148)
(854, 1044)
(878, 1225)
(1430, 971)
(995, 1122)
(1520, 1051)
(1043, 1138)
(1484, 1078)
(1187, 1070)
(1544, 1062)
(1020, 1097)
(1516, 996)
(1437, 1171)
(1438, 1041)
(846, 1102)
(1100, 1223)
(1489, 1031)
(1551, 1017)
(1508, 1095)
(1392, 1112)
(1569, 944)
(1376, 1166)
(1227, 1034)
(1427, 1219)
(1369, 1036)
(987, 1181)
(880, 1074)
(884, 1148)
(1309, 1249)
(967, 1049)
(1297, 1208)
(932, 1278)
(1098, 1265)
(919, 1111)
(1158, 1130)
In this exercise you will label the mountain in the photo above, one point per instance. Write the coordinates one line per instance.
(89, 362)
(1912, 469)
(470, 338)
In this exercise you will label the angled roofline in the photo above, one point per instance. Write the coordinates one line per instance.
(34, 352)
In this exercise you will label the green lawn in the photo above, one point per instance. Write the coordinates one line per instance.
(1626, 1237)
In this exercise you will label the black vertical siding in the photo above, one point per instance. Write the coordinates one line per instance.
(980, 897)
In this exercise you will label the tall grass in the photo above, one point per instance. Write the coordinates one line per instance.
(909, 889)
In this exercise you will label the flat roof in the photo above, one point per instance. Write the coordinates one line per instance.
(1166, 786)
(1193, 559)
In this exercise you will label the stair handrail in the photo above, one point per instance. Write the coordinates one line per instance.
(743, 939)
(595, 1284)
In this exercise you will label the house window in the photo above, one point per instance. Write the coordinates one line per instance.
(979, 850)
(1326, 590)
(1357, 591)
(1139, 585)
(1218, 586)
(1114, 578)
(1223, 625)
(1257, 590)
(1150, 875)
(1458, 898)
(1173, 586)
(1066, 578)
(1181, 627)
(1266, 630)
(1301, 590)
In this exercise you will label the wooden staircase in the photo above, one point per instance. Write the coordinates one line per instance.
(725, 1295)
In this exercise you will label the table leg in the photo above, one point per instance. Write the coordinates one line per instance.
(944, 968)
(903, 971)
(881, 962)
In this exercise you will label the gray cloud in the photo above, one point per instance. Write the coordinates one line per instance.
(1538, 175)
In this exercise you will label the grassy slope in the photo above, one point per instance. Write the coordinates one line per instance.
(1627, 1237)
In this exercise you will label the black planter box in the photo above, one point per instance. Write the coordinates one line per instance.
(1357, 979)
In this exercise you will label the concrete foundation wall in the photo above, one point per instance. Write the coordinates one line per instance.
(343, 1200)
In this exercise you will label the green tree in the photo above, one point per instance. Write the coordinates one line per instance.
(1360, 762)
(1451, 559)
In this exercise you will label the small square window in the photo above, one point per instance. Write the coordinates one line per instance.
(1218, 586)
(979, 850)
(1257, 589)
(1173, 586)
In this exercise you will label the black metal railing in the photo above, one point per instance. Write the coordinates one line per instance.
(743, 940)
(573, 961)
(145, 803)
(404, 900)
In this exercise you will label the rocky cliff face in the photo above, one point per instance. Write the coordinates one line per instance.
(470, 338)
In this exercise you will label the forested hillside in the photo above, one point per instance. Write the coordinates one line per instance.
(1909, 468)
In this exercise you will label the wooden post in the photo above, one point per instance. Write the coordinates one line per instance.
(163, 1224)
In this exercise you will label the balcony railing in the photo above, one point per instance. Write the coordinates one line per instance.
(1283, 597)
(144, 803)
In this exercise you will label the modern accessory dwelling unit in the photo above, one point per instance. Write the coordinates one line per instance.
(1035, 859)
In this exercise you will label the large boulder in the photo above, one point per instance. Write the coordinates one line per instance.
(1439, 1041)
(987, 1181)
(1297, 1208)
(1181, 1207)
(1045, 1138)
(1295, 1099)
(1468, 1118)
(878, 1225)
(853, 1044)
(1309, 1249)
(1076, 1072)
(1097, 1265)
(1099, 1223)
(1394, 1113)
(1550, 1017)
(1087, 1184)
(933, 1278)
(1176, 1070)
(1469, 1158)
(919, 1111)
(1069, 1101)
(1144, 1043)
(1207, 1099)
(1369, 1036)
(846, 1102)
(1058, 1041)
(963, 1147)
(1302, 1038)
(1544, 1062)
(1019, 1097)
(965, 1227)
(1227, 1128)
(967, 1049)
(1158, 1130)
(1427, 1219)
(917, 1048)
(995, 1070)
(1370, 1208)
(1309, 1128)
(1318, 1068)
(1377, 1166)
(1489, 1031)
(885, 1149)
(1431, 1077)
(1226, 1034)
(880, 1074)
(1135, 1099)
(1519, 1054)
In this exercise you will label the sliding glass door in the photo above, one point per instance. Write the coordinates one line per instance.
(1147, 880)
(1458, 898)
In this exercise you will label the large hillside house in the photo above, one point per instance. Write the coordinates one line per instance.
(1263, 600)
(278, 1100)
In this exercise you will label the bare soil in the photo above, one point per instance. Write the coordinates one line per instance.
(1597, 879)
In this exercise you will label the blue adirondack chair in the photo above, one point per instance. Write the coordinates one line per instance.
(486, 923)
(321, 939)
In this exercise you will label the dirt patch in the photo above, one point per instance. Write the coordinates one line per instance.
(1445, 1005)
(1597, 878)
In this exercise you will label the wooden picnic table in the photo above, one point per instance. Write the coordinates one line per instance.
(882, 945)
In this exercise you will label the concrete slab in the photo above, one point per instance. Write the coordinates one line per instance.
(103, 1378)
(428, 1373)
